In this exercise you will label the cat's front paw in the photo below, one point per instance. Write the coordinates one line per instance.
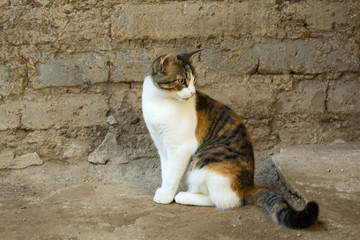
(162, 196)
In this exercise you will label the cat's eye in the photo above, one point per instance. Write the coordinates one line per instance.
(182, 81)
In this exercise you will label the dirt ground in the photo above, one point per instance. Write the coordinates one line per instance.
(84, 201)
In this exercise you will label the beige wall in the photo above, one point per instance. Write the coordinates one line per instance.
(290, 68)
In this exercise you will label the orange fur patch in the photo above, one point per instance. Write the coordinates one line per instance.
(202, 126)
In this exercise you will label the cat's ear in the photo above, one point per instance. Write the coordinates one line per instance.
(168, 61)
(163, 63)
(187, 56)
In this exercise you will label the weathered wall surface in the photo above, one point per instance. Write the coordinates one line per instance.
(290, 68)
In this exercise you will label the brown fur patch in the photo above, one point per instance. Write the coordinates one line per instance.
(169, 63)
(228, 127)
(239, 120)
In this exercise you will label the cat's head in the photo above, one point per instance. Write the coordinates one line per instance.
(174, 75)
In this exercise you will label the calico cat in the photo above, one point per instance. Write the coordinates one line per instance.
(195, 132)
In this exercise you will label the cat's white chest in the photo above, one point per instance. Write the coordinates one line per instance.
(169, 121)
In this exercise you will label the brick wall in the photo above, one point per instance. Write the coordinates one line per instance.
(290, 68)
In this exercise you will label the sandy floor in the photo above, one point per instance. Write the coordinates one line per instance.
(85, 201)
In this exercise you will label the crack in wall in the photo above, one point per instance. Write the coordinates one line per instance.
(326, 96)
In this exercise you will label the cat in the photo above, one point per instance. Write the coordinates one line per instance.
(195, 133)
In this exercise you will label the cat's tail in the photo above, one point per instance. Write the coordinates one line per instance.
(282, 213)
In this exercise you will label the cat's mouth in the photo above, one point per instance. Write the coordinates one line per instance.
(185, 98)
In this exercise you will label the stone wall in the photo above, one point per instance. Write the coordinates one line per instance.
(290, 68)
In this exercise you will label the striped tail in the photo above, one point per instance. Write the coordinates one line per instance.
(282, 213)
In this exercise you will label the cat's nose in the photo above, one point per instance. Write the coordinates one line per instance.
(192, 93)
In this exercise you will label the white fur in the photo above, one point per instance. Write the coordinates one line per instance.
(207, 188)
(171, 120)
(188, 92)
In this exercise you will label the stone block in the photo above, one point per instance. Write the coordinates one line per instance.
(82, 68)
(5, 159)
(307, 97)
(4, 3)
(319, 16)
(24, 161)
(13, 70)
(249, 96)
(109, 150)
(272, 56)
(294, 130)
(75, 149)
(237, 57)
(261, 133)
(26, 24)
(126, 108)
(344, 97)
(175, 20)
(282, 82)
(9, 161)
(311, 56)
(4, 76)
(9, 115)
(130, 65)
(91, 25)
(75, 110)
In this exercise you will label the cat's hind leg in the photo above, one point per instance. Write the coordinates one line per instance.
(221, 192)
(197, 194)
(195, 199)
(209, 188)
